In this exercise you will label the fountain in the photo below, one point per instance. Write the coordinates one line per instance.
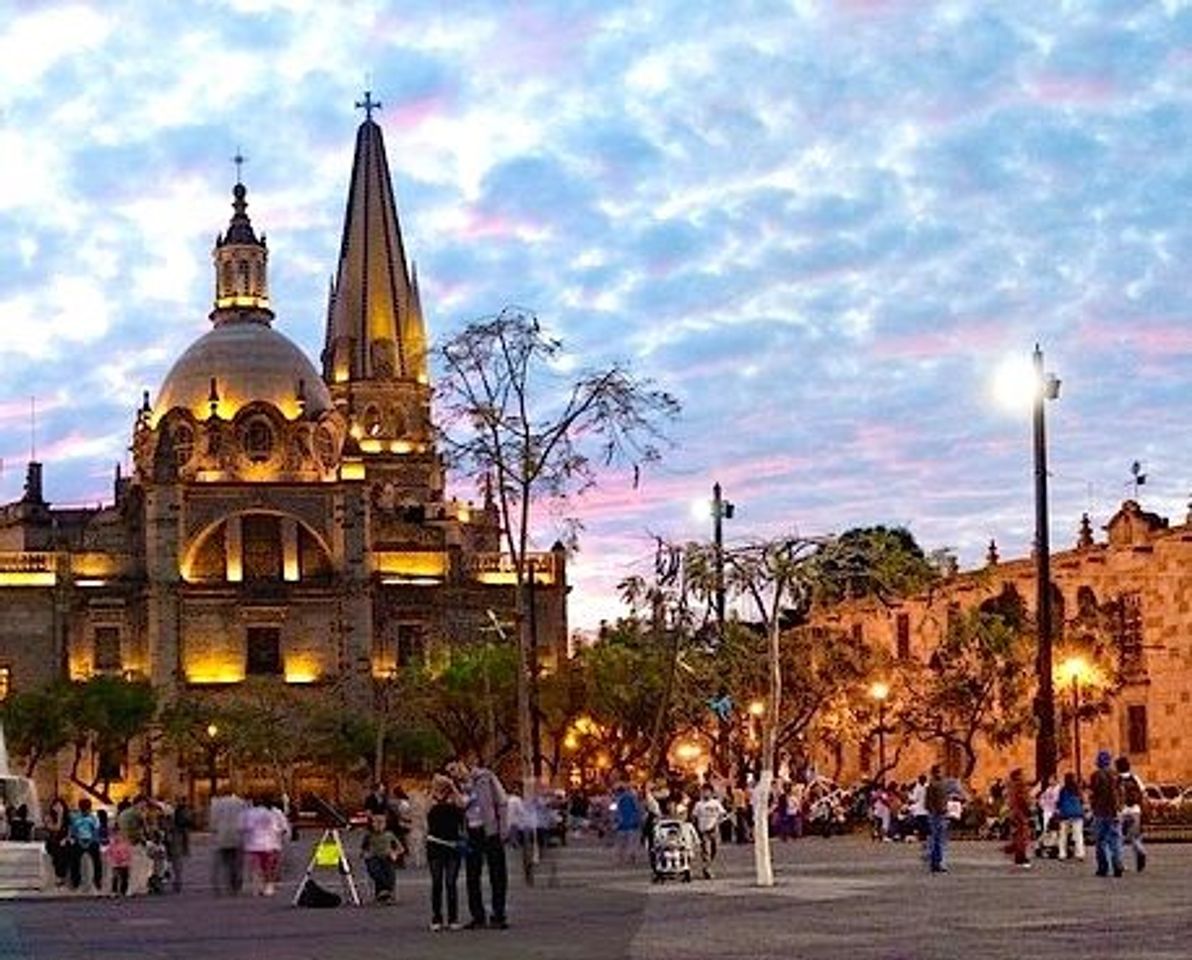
(23, 864)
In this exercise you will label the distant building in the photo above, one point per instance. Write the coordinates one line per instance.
(280, 521)
(1134, 590)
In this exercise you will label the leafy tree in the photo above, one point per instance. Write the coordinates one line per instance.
(105, 713)
(510, 415)
(977, 684)
(37, 723)
(878, 561)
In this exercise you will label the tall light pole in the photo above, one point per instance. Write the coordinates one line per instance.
(1047, 387)
(721, 510)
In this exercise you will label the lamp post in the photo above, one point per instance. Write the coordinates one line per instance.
(212, 751)
(1046, 387)
(880, 692)
(1074, 668)
(721, 510)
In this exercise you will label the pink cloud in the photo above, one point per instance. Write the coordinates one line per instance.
(1054, 88)
(413, 113)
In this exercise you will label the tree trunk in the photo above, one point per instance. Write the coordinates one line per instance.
(761, 798)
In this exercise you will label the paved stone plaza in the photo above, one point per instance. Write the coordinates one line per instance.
(843, 898)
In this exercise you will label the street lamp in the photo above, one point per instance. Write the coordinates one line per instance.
(721, 510)
(212, 750)
(1047, 387)
(1074, 669)
(1040, 386)
(880, 692)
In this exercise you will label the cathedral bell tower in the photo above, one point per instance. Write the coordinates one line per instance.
(374, 357)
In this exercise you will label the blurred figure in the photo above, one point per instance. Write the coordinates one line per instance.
(20, 827)
(445, 837)
(57, 827)
(486, 817)
(120, 860)
(1020, 820)
(264, 829)
(177, 840)
(627, 823)
(1070, 810)
(1133, 798)
(227, 813)
(84, 842)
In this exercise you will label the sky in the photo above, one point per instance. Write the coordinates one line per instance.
(822, 225)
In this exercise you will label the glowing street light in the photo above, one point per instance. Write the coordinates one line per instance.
(1075, 670)
(1015, 384)
(880, 692)
(757, 709)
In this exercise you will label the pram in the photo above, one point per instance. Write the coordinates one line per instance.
(671, 851)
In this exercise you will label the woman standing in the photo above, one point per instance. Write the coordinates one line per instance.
(444, 839)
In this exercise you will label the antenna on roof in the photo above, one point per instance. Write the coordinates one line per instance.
(1139, 476)
(33, 429)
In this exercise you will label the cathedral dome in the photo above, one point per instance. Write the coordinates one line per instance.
(236, 364)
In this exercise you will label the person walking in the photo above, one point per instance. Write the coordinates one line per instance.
(1020, 820)
(1105, 800)
(627, 823)
(936, 801)
(227, 867)
(1070, 810)
(445, 837)
(1133, 799)
(486, 817)
(264, 831)
(120, 860)
(84, 842)
(707, 814)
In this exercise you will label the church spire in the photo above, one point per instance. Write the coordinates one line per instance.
(374, 325)
(241, 280)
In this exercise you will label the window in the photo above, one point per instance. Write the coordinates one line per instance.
(184, 444)
(409, 644)
(264, 651)
(5, 682)
(105, 657)
(258, 440)
(1136, 732)
(261, 544)
(902, 636)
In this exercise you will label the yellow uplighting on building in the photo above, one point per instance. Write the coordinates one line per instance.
(411, 563)
(22, 578)
(212, 671)
(352, 470)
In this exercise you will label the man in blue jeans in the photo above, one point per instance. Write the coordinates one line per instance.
(936, 801)
(1106, 802)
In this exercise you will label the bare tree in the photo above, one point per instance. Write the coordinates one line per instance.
(509, 412)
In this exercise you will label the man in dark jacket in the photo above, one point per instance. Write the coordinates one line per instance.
(1106, 803)
(936, 801)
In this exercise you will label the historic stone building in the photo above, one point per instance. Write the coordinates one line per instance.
(279, 521)
(1129, 595)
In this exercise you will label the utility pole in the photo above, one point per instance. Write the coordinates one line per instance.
(1047, 387)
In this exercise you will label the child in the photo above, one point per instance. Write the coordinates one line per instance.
(120, 859)
(380, 857)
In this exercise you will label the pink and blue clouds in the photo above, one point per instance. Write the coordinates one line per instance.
(822, 224)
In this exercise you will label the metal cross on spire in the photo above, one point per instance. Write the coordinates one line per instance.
(368, 104)
(239, 161)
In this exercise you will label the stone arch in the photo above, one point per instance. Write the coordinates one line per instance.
(197, 562)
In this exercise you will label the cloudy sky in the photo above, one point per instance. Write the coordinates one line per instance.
(822, 224)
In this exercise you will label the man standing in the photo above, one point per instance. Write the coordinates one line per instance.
(487, 818)
(708, 813)
(936, 801)
(1105, 800)
(1132, 801)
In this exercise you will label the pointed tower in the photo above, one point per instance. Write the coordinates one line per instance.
(374, 355)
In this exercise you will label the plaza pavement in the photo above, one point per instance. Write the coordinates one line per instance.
(838, 898)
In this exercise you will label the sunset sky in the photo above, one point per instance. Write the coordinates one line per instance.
(823, 225)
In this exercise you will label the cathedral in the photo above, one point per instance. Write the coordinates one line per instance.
(280, 520)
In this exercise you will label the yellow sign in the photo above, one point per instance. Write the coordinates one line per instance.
(328, 853)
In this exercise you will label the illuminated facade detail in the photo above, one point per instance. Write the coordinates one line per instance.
(281, 525)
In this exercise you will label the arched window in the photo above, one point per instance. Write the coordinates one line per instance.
(258, 440)
(242, 266)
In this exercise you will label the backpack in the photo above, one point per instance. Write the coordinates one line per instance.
(1131, 791)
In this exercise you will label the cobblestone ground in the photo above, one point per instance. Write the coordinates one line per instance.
(839, 898)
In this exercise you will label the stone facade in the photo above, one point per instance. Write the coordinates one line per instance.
(280, 522)
(1133, 590)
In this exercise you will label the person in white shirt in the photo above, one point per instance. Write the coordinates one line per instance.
(265, 828)
(707, 814)
(918, 807)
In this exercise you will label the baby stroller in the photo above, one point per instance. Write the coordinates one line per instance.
(161, 875)
(671, 851)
